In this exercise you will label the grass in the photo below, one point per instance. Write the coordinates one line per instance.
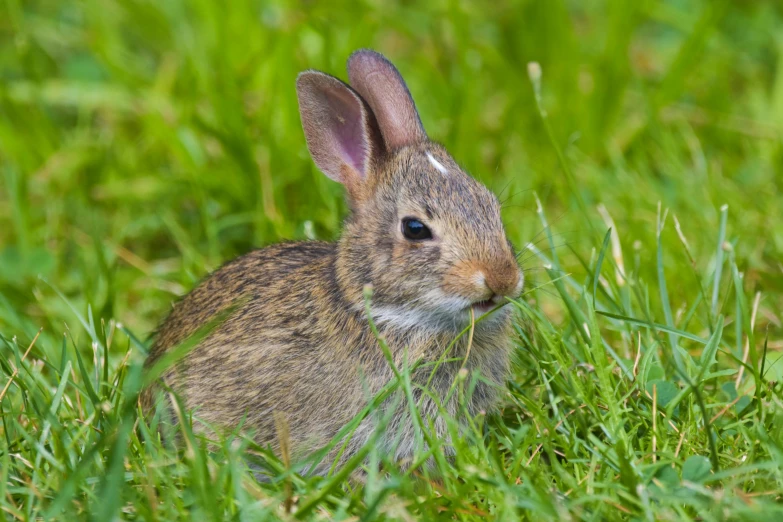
(144, 143)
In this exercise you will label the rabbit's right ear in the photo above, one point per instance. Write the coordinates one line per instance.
(340, 130)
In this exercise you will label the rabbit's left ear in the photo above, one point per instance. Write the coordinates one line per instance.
(341, 132)
(380, 84)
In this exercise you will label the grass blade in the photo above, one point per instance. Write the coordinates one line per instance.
(724, 212)
(654, 326)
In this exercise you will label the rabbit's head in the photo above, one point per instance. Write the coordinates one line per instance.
(423, 233)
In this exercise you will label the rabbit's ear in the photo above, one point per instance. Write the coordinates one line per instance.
(340, 130)
(380, 84)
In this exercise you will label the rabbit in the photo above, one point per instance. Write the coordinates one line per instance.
(298, 346)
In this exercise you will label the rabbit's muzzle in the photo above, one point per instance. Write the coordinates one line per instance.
(489, 281)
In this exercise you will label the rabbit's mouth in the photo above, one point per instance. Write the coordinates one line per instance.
(485, 305)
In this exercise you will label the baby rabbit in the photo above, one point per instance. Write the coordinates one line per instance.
(298, 345)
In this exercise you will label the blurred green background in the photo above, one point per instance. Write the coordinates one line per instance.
(143, 143)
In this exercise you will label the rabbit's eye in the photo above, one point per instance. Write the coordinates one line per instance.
(415, 230)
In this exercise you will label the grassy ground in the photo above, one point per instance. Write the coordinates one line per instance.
(144, 143)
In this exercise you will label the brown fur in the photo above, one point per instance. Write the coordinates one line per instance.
(299, 345)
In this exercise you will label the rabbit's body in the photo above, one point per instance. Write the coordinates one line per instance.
(299, 344)
(305, 352)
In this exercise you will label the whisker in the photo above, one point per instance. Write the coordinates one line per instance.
(502, 203)
(541, 288)
(504, 188)
(522, 260)
(536, 240)
(532, 254)
(548, 269)
(543, 229)
(504, 207)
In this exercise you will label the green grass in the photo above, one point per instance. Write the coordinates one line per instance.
(144, 143)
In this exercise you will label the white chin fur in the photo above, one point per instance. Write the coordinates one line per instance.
(434, 311)
(408, 318)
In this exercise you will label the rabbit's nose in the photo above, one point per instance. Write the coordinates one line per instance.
(505, 280)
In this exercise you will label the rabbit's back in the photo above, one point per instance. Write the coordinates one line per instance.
(248, 277)
(292, 346)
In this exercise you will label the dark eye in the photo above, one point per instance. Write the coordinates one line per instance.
(415, 230)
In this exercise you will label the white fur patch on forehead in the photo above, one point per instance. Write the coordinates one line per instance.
(435, 163)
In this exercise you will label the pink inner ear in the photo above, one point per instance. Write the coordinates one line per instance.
(351, 138)
(336, 124)
(347, 126)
